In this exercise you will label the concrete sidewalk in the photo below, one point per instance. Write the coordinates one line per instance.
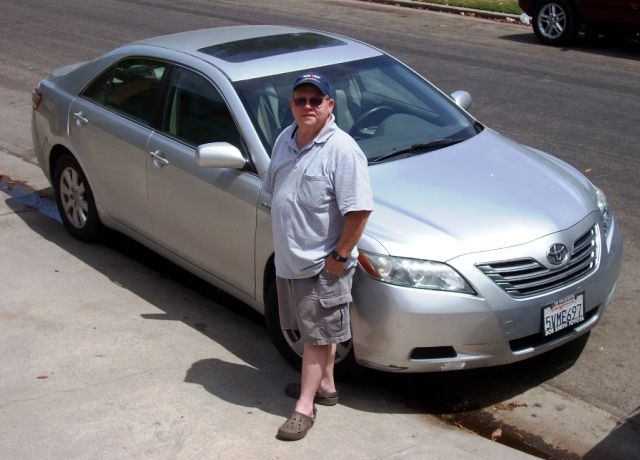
(104, 358)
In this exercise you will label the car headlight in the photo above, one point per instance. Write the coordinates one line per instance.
(422, 274)
(605, 211)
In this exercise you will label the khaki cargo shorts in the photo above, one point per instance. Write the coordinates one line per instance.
(318, 307)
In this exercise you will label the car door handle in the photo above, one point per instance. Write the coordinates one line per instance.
(80, 117)
(157, 156)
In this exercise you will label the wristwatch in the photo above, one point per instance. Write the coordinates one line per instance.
(335, 255)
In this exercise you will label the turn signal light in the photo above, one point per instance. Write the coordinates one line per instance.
(36, 98)
(366, 265)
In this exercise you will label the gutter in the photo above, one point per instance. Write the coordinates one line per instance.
(506, 17)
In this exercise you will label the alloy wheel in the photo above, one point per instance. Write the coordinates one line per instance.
(552, 21)
(73, 196)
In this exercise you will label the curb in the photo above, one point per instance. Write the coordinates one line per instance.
(449, 9)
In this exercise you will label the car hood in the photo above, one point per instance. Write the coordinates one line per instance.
(483, 194)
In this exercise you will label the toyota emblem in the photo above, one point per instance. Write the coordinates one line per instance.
(557, 254)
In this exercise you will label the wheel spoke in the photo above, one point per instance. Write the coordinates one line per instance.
(342, 350)
(64, 189)
(76, 218)
(68, 206)
(75, 178)
(82, 216)
(295, 341)
(67, 177)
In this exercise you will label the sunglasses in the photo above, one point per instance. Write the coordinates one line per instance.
(314, 102)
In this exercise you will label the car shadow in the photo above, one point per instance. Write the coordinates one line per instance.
(475, 389)
(626, 436)
(253, 375)
(626, 49)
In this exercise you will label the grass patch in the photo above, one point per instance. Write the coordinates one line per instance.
(501, 6)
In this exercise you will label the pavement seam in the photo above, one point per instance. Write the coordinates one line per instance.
(9, 403)
(598, 411)
(436, 419)
(393, 454)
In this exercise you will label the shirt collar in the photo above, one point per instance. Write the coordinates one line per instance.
(321, 138)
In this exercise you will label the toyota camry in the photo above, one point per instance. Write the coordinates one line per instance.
(480, 252)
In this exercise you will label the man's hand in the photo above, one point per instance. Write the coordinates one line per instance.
(351, 233)
(333, 266)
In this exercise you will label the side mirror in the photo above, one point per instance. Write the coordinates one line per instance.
(462, 98)
(219, 155)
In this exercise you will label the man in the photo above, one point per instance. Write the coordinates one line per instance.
(322, 198)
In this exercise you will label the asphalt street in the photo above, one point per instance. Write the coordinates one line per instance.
(578, 103)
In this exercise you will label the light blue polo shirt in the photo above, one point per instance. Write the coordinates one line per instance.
(312, 190)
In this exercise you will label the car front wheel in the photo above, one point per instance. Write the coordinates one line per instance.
(290, 346)
(75, 200)
(555, 22)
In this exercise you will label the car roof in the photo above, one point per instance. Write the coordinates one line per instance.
(245, 52)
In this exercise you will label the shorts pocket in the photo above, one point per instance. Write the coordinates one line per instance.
(331, 302)
(312, 191)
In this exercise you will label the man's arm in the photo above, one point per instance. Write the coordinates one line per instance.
(351, 233)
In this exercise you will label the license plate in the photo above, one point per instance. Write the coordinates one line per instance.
(563, 313)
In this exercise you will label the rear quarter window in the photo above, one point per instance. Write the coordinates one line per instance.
(130, 87)
(134, 88)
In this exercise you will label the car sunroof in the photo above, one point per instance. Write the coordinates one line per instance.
(273, 45)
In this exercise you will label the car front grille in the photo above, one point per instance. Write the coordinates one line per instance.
(526, 277)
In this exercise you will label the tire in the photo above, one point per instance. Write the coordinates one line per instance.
(555, 22)
(289, 344)
(75, 200)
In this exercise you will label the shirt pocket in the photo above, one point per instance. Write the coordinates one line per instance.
(312, 191)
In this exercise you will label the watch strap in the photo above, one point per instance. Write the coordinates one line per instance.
(335, 255)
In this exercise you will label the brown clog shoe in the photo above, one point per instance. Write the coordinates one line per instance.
(296, 426)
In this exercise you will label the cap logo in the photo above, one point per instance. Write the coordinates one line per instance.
(311, 77)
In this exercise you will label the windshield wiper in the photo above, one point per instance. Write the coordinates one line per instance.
(420, 146)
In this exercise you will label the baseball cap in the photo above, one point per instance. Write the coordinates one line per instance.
(315, 79)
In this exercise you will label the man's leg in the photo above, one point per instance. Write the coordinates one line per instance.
(317, 374)
(327, 385)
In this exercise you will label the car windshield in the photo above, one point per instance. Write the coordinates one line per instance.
(383, 105)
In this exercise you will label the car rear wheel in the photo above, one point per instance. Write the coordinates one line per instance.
(555, 22)
(75, 200)
(289, 343)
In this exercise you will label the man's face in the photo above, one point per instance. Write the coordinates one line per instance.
(307, 115)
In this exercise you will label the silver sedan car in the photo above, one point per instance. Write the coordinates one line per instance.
(480, 252)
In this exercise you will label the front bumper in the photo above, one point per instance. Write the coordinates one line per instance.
(401, 329)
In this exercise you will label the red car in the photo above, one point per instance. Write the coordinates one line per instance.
(557, 22)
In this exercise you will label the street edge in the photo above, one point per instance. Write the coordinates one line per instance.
(447, 9)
